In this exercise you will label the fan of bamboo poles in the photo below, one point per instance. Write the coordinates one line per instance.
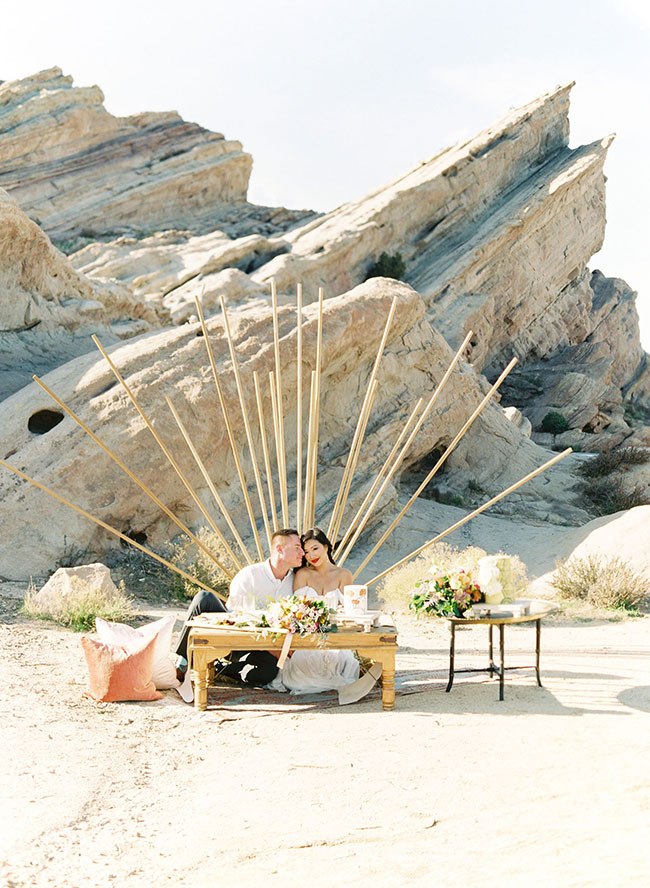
(271, 487)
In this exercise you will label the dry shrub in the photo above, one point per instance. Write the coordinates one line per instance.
(603, 582)
(609, 461)
(398, 586)
(78, 608)
(198, 564)
(607, 495)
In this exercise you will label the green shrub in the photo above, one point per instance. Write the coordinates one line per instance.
(79, 607)
(199, 565)
(603, 582)
(611, 460)
(554, 423)
(388, 267)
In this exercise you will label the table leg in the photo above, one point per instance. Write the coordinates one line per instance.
(538, 645)
(502, 671)
(493, 668)
(388, 682)
(200, 680)
(452, 650)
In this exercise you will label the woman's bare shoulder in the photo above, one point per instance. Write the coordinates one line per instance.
(301, 577)
(344, 577)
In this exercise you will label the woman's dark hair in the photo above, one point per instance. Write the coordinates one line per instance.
(315, 533)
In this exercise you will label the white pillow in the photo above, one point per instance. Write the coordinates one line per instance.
(164, 672)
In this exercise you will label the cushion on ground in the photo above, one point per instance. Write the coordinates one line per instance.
(119, 673)
(164, 671)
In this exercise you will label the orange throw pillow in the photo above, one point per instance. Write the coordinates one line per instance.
(120, 673)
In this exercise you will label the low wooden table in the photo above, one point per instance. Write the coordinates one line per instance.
(207, 644)
(539, 608)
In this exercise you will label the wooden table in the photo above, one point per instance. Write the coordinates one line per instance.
(539, 610)
(207, 644)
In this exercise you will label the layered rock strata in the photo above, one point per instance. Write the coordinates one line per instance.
(496, 235)
(78, 169)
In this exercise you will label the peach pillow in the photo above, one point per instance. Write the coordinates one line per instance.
(120, 673)
(163, 672)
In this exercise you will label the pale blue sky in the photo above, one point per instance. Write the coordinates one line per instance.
(334, 98)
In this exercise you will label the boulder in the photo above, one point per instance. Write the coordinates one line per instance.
(66, 582)
(48, 309)
(174, 363)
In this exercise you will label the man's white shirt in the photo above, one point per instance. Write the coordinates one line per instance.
(255, 584)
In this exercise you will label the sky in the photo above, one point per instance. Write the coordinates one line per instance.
(334, 98)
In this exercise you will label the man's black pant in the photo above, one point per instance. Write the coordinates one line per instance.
(256, 668)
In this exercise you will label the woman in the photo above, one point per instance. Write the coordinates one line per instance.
(319, 670)
(319, 572)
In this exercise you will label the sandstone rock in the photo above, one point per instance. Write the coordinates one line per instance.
(174, 363)
(47, 309)
(52, 598)
(78, 169)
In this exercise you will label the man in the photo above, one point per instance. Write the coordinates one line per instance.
(250, 589)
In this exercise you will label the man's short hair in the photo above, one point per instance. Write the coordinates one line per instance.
(283, 532)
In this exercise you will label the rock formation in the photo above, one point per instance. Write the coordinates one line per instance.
(47, 309)
(496, 235)
(174, 363)
(78, 169)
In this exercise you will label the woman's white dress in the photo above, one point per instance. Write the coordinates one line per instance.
(318, 670)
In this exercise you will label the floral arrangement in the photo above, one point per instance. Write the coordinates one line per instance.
(448, 593)
(301, 615)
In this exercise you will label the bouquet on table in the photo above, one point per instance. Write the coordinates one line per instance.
(300, 615)
(448, 593)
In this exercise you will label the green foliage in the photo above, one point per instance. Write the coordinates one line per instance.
(80, 606)
(611, 460)
(603, 582)
(200, 566)
(388, 266)
(554, 423)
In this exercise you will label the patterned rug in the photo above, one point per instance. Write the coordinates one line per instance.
(238, 700)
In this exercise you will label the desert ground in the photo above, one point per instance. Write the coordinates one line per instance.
(550, 786)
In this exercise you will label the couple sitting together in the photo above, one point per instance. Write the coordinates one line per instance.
(301, 565)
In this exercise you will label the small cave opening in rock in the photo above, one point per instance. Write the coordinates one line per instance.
(414, 475)
(43, 421)
(138, 536)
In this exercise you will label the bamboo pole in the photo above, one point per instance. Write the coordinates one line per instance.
(133, 477)
(399, 459)
(437, 465)
(159, 441)
(231, 437)
(319, 354)
(310, 451)
(298, 407)
(491, 502)
(380, 475)
(123, 536)
(276, 429)
(335, 520)
(265, 450)
(434, 397)
(213, 490)
(247, 427)
(278, 382)
(355, 458)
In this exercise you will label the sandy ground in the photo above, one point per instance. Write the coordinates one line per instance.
(550, 786)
